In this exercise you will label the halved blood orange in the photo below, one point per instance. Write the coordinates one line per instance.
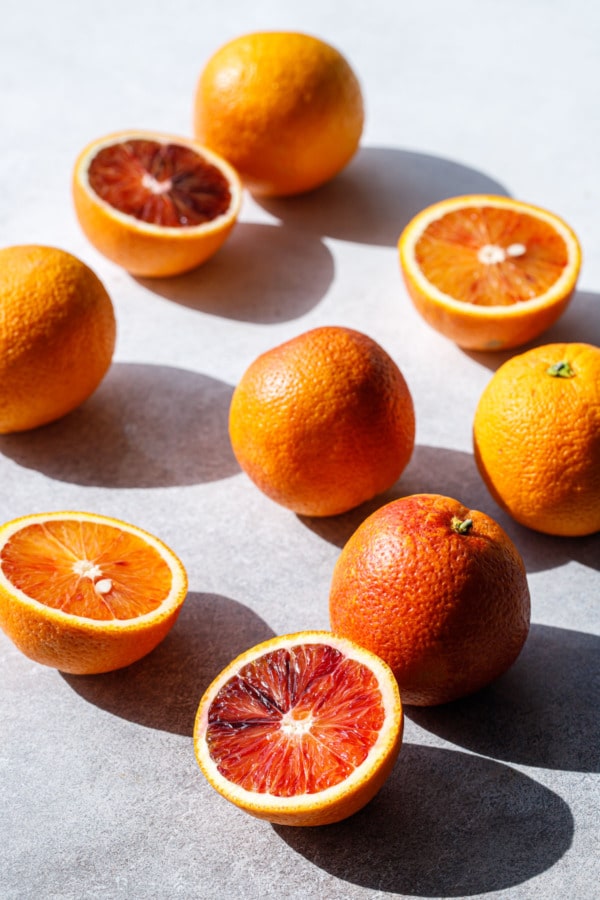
(86, 593)
(155, 204)
(489, 272)
(302, 729)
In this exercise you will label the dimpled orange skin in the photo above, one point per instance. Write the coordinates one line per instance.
(285, 109)
(448, 612)
(537, 439)
(323, 422)
(57, 335)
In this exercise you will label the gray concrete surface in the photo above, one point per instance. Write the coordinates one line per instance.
(100, 795)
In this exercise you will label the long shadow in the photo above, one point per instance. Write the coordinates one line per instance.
(446, 824)
(264, 273)
(378, 193)
(163, 690)
(146, 426)
(542, 712)
(437, 470)
(580, 323)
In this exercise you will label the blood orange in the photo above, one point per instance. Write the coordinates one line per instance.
(86, 593)
(302, 729)
(155, 204)
(438, 591)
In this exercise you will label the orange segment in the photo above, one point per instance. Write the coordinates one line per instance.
(489, 272)
(155, 204)
(86, 593)
(302, 729)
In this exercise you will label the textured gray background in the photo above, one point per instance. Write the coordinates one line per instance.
(99, 790)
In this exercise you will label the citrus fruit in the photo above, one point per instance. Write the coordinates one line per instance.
(57, 335)
(284, 108)
(155, 204)
(438, 591)
(86, 593)
(489, 272)
(536, 436)
(302, 729)
(323, 422)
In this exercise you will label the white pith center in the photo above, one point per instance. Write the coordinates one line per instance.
(154, 186)
(293, 727)
(86, 569)
(490, 254)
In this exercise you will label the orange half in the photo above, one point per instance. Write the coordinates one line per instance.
(489, 272)
(86, 593)
(302, 729)
(155, 204)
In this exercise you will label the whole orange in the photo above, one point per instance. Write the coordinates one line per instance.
(323, 422)
(438, 591)
(285, 109)
(57, 335)
(536, 437)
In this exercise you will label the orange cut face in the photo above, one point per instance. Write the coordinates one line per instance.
(165, 184)
(295, 721)
(490, 256)
(86, 569)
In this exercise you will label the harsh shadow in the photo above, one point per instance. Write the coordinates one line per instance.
(445, 824)
(580, 323)
(264, 273)
(145, 426)
(542, 712)
(163, 690)
(437, 470)
(378, 193)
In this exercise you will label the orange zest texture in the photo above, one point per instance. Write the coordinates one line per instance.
(284, 108)
(536, 438)
(438, 591)
(323, 422)
(57, 335)
(301, 730)
(489, 272)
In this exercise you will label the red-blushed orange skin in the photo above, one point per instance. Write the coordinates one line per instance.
(323, 422)
(536, 439)
(448, 612)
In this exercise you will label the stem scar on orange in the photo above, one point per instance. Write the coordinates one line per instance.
(155, 204)
(302, 729)
(436, 590)
(86, 593)
(323, 422)
(536, 436)
(489, 272)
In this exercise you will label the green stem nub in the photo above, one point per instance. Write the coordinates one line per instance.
(461, 526)
(561, 369)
